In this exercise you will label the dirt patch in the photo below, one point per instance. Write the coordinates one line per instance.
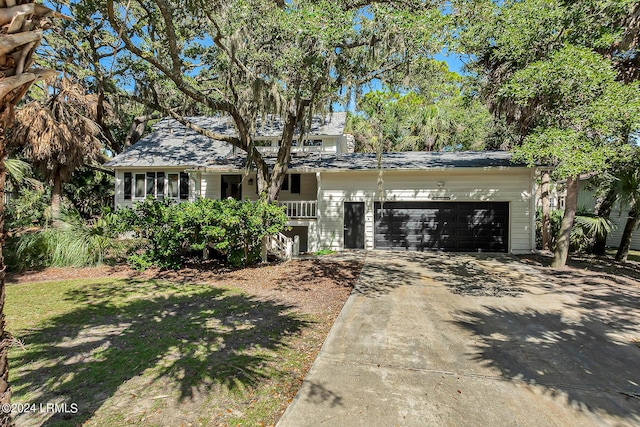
(588, 269)
(68, 273)
(315, 285)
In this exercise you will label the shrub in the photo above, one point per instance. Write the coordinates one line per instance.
(155, 221)
(232, 228)
(555, 220)
(76, 243)
(30, 208)
(585, 228)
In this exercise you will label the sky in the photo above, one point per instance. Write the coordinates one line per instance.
(453, 60)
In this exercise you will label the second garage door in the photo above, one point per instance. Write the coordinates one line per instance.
(447, 226)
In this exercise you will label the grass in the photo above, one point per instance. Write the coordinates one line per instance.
(633, 255)
(324, 252)
(146, 352)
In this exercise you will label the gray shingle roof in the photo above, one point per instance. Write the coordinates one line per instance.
(406, 160)
(413, 160)
(172, 144)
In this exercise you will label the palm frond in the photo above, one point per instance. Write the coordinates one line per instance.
(17, 169)
(593, 225)
(60, 134)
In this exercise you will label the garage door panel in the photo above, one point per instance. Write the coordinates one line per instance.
(449, 226)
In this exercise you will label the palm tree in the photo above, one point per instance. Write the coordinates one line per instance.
(21, 28)
(59, 135)
(629, 190)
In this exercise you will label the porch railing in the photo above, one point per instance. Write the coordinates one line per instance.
(305, 149)
(300, 209)
(282, 246)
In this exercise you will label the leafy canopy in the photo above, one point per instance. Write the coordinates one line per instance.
(578, 122)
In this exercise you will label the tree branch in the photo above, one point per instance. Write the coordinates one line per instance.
(235, 141)
(177, 79)
(171, 35)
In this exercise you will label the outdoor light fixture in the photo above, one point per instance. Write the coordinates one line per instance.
(250, 181)
(440, 184)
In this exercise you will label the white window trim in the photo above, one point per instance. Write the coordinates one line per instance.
(165, 189)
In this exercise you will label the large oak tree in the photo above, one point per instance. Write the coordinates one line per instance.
(249, 59)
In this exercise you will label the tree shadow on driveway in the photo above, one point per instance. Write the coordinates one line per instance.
(461, 273)
(584, 350)
(385, 271)
(201, 338)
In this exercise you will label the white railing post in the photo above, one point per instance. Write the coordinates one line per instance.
(289, 249)
(300, 209)
(296, 245)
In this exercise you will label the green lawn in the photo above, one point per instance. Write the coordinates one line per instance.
(633, 255)
(145, 352)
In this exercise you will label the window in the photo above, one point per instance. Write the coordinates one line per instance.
(174, 189)
(285, 183)
(313, 143)
(140, 185)
(127, 185)
(151, 184)
(160, 185)
(295, 183)
(231, 186)
(262, 143)
(184, 186)
(156, 184)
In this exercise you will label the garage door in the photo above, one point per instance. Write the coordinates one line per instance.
(447, 226)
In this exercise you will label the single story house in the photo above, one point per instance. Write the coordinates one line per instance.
(337, 199)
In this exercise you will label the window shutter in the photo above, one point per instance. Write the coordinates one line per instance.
(127, 185)
(160, 185)
(184, 186)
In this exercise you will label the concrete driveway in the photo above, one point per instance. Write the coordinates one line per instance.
(486, 340)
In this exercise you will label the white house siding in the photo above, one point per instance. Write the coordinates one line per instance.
(513, 185)
(620, 220)
(587, 200)
(210, 185)
(586, 196)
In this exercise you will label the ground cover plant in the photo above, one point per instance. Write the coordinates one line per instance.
(200, 346)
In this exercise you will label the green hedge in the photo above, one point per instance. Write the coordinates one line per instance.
(233, 228)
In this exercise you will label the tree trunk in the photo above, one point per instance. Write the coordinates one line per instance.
(56, 200)
(137, 129)
(5, 337)
(625, 241)
(603, 208)
(546, 224)
(262, 178)
(570, 207)
(284, 153)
